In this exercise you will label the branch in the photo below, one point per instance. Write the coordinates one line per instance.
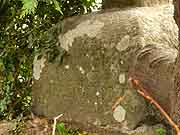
(54, 125)
(143, 92)
(118, 101)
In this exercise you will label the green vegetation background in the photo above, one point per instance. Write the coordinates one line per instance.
(28, 28)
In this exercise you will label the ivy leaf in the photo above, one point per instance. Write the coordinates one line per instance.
(29, 7)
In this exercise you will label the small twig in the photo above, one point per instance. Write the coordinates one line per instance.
(118, 101)
(54, 125)
(143, 92)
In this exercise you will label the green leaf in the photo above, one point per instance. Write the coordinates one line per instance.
(2, 4)
(2, 68)
(10, 77)
(29, 7)
(160, 131)
(61, 129)
(57, 6)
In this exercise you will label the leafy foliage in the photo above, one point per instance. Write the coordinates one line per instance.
(160, 131)
(62, 130)
(29, 6)
(28, 28)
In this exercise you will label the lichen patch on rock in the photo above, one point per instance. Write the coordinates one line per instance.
(89, 28)
(123, 44)
(122, 78)
(119, 114)
(38, 65)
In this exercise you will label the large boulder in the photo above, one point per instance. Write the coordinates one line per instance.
(101, 50)
(153, 67)
(106, 4)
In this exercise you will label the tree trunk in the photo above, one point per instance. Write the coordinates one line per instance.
(176, 102)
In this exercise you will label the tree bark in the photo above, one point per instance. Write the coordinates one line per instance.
(176, 93)
(176, 108)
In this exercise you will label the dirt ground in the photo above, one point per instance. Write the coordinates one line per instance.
(34, 125)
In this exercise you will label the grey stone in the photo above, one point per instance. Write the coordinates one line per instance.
(148, 130)
(133, 3)
(84, 87)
